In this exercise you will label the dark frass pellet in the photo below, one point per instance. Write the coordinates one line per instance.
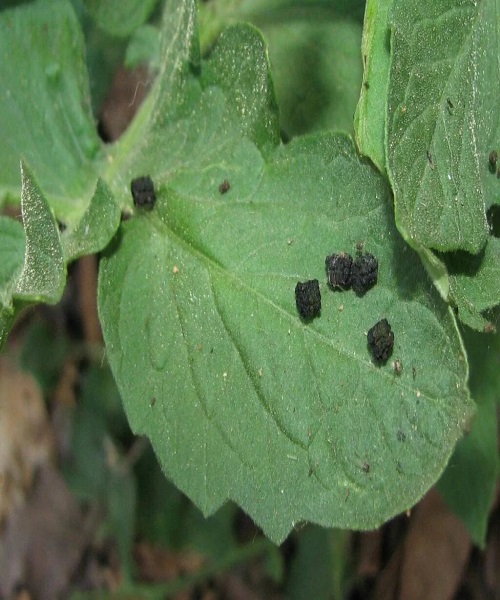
(143, 192)
(381, 341)
(308, 299)
(224, 187)
(338, 270)
(364, 273)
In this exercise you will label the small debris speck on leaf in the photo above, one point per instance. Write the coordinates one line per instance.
(364, 273)
(308, 299)
(430, 160)
(338, 270)
(490, 328)
(381, 341)
(493, 157)
(143, 192)
(224, 187)
(397, 365)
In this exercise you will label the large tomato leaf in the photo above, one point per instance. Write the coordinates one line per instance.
(241, 398)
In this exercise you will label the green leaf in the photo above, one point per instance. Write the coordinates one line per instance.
(469, 482)
(33, 258)
(442, 110)
(144, 48)
(166, 517)
(311, 572)
(314, 52)
(6, 321)
(96, 227)
(45, 108)
(215, 15)
(475, 283)
(317, 70)
(120, 17)
(43, 275)
(12, 251)
(43, 353)
(241, 399)
(12, 248)
(104, 55)
(369, 119)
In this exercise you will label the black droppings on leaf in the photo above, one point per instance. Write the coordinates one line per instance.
(493, 218)
(308, 299)
(61, 226)
(224, 187)
(364, 273)
(143, 192)
(449, 105)
(492, 159)
(381, 341)
(338, 270)
(401, 436)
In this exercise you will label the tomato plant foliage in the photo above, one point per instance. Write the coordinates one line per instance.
(241, 398)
